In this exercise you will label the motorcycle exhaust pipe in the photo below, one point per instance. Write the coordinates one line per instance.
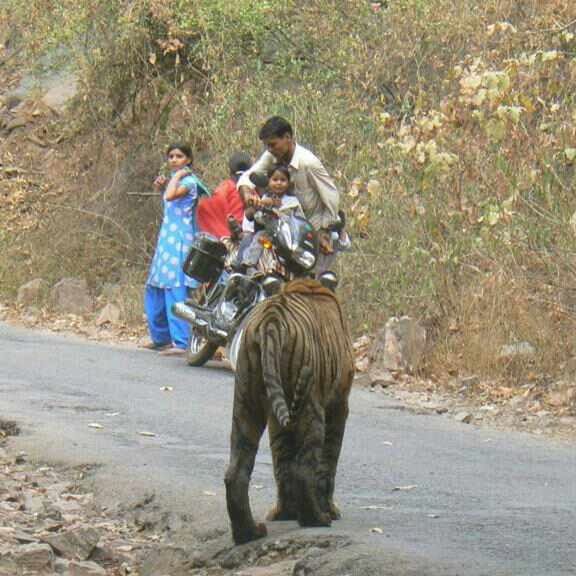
(184, 312)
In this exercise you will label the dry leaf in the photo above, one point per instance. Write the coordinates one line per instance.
(404, 488)
(95, 425)
(149, 434)
(377, 530)
(208, 493)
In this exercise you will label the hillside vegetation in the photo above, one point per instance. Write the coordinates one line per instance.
(449, 126)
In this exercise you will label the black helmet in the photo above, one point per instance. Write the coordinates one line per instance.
(239, 162)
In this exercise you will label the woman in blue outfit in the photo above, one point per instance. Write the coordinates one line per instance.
(167, 283)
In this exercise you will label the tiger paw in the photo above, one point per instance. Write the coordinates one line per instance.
(334, 511)
(315, 521)
(278, 513)
(249, 534)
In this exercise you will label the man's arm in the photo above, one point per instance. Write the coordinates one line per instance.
(263, 164)
(329, 194)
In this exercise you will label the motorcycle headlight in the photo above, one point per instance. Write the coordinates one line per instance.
(305, 259)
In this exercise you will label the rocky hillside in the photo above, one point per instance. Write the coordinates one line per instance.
(450, 128)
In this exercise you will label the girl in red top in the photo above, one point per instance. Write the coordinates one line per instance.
(212, 213)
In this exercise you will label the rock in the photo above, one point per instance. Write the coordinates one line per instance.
(61, 92)
(111, 292)
(33, 293)
(170, 560)
(31, 315)
(34, 558)
(33, 503)
(61, 566)
(18, 122)
(470, 382)
(362, 364)
(75, 544)
(110, 314)
(464, 417)
(511, 351)
(85, 569)
(381, 377)
(281, 569)
(564, 394)
(71, 296)
(399, 346)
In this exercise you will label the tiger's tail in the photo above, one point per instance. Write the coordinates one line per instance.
(301, 392)
(271, 354)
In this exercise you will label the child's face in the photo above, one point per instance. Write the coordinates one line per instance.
(177, 159)
(278, 183)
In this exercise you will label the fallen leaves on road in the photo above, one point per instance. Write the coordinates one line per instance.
(404, 488)
(377, 530)
(96, 426)
(147, 434)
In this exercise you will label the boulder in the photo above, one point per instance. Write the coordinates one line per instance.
(85, 569)
(110, 314)
(74, 544)
(71, 296)
(35, 558)
(33, 293)
(399, 346)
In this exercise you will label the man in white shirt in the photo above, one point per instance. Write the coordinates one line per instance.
(313, 186)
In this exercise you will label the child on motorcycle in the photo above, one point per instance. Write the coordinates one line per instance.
(277, 196)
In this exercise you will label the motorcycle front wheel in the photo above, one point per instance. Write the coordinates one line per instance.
(200, 350)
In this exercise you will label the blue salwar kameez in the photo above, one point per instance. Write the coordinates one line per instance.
(167, 284)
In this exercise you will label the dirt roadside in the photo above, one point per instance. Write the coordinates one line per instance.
(51, 524)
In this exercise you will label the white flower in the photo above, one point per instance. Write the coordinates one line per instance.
(174, 261)
(173, 227)
(172, 275)
(171, 240)
(164, 270)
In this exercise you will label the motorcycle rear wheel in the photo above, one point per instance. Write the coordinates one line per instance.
(200, 350)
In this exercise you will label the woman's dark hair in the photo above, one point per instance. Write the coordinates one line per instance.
(275, 127)
(184, 148)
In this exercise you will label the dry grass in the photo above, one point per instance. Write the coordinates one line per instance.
(450, 126)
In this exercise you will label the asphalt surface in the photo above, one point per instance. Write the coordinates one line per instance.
(471, 501)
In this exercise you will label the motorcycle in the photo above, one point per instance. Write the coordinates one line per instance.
(217, 316)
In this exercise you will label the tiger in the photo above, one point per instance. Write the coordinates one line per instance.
(294, 373)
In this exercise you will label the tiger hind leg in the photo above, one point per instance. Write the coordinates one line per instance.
(244, 446)
(336, 415)
(282, 448)
(307, 468)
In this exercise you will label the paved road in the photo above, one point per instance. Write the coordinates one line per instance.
(483, 502)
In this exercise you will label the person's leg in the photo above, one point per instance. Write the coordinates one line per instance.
(155, 308)
(179, 329)
(325, 262)
(253, 251)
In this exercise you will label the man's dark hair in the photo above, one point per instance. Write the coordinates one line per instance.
(275, 127)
